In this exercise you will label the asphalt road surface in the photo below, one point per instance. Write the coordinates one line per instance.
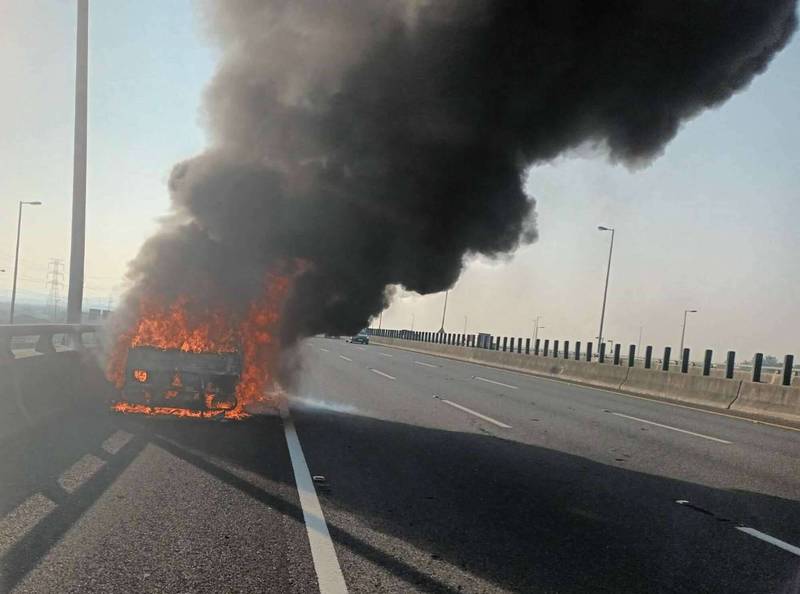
(432, 475)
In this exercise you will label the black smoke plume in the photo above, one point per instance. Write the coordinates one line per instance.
(382, 141)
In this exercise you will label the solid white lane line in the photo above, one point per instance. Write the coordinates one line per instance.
(385, 355)
(671, 428)
(80, 472)
(22, 519)
(477, 414)
(116, 442)
(345, 358)
(488, 381)
(324, 349)
(424, 364)
(323, 554)
(770, 539)
(379, 372)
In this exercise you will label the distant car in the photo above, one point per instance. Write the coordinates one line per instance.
(360, 338)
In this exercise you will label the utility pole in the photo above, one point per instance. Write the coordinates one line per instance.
(444, 311)
(55, 278)
(78, 245)
(605, 291)
(683, 331)
(639, 344)
(536, 328)
(380, 320)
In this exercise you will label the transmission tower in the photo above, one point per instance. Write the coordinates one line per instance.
(55, 280)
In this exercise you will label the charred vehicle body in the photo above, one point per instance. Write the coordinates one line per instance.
(177, 379)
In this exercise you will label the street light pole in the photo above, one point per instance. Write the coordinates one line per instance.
(16, 260)
(444, 311)
(605, 291)
(683, 331)
(412, 322)
(78, 241)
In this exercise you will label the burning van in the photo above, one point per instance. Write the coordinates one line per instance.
(177, 381)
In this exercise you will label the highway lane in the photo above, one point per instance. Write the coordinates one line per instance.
(570, 498)
(434, 475)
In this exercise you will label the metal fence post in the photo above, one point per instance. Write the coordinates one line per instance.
(546, 347)
(601, 354)
(589, 352)
(648, 357)
(578, 350)
(631, 355)
(527, 346)
(788, 365)
(758, 363)
(566, 349)
(617, 349)
(707, 362)
(730, 364)
(685, 361)
(667, 355)
(555, 348)
(536, 346)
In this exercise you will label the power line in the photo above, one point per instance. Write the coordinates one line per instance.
(55, 279)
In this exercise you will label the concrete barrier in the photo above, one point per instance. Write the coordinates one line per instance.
(771, 400)
(36, 385)
(714, 392)
(604, 375)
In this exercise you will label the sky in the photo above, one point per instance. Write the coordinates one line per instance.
(712, 224)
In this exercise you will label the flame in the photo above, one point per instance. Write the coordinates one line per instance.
(182, 325)
(140, 375)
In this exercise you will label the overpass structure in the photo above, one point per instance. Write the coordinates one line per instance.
(399, 466)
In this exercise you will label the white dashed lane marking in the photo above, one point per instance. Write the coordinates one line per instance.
(385, 355)
(424, 364)
(474, 413)
(671, 428)
(80, 472)
(22, 519)
(116, 442)
(770, 539)
(386, 375)
(488, 381)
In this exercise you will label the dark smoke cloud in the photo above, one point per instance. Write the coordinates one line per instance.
(382, 141)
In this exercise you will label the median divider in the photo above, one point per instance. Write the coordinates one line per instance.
(715, 392)
(769, 401)
(780, 402)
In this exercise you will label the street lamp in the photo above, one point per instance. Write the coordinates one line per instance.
(16, 259)
(683, 332)
(605, 291)
(444, 311)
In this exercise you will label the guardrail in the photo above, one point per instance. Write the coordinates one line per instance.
(44, 335)
(46, 370)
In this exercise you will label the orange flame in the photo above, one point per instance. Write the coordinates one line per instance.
(180, 326)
